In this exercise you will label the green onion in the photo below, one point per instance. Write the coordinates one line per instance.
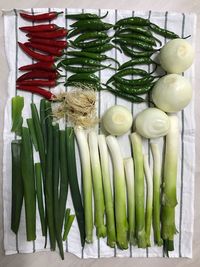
(129, 174)
(119, 192)
(169, 200)
(17, 186)
(32, 133)
(49, 177)
(29, 184)
(73, 183)
(58, 228)
(99, 207)
(149, 200)
(39, 193)
(68, 223)
(110, 219)
(139, 190)
(43, 121)
(87, 182)
(156, 193)
(17, 120)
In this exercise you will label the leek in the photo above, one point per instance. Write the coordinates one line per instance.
(87, 182)
(169, 200)
(139, 189)
(110, 219)
(129, 173)
(99, 206)
(119, 192)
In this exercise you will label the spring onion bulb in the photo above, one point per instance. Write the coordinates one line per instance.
(169, 200)
(110, 219)
(149, 199)
(172, 93)
(119, 192)
(117, 120)
(152, 123)
(156, 193)
(129, 173)
(139, 189)
(176, 56)
(87, 182)
(99, 206)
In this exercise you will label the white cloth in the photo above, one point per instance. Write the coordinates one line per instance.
(182, 24)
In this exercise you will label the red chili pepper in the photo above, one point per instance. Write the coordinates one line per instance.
(40, 28)
(48, 66)
(37, 90)
(49, 35)
(48, 83)
(40, 17)
(51, 42)
(35, 74)
(35, 55)
(55, 51)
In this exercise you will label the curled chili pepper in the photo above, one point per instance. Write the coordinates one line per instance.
(39, 28)
(40, 17)
(35, 55)
(50, 42)
(49, 35)
(39, 75)
(37, 90)
(45, 83)
(48, 66)
(55, 51)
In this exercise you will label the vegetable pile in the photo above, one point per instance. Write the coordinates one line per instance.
(124, 206)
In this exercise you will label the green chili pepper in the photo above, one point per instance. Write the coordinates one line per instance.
(83, 45)
(74, 33)
(136, 36)
(132, 53)
(17, 120)
(27, 167)
(90, 78)
(90, 35)
(101, 49)
(84, 84)
(132, 21)
(163, 32)
(136, 82)
(39, 193)
(92, 24)
(84, 16)
(80, 61)
(17, 185)
(136, 90)
(137, 61)
(84, 69)
(134, 29)
(133, 43)
(73, 183)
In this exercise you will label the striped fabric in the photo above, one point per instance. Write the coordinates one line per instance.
(182, 24)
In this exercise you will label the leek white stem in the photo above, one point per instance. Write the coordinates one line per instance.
(99, 207)
(87, 182)
(139, 189)
(149, 199)
(129, 173)
(119, 192)
(110, 219)
(156, 193)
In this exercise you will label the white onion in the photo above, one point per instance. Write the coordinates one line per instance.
(152, 123)
(172, 93)
(117, 120)
(176, 56)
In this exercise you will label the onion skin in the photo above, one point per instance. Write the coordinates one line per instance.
(152, 123)
(176, 56)
(172, 93)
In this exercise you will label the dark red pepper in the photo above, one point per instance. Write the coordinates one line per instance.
(37, 90)
(46, 83)
(49, 35)
(35, 55)
(48, 66)
(54, 51)
(51, 42)
(36, 74)
(40, 17)
(40, 28)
